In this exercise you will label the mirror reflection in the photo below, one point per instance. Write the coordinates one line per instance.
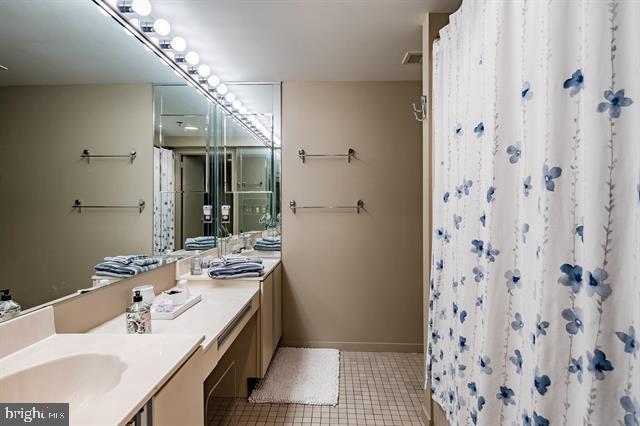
(110, 164)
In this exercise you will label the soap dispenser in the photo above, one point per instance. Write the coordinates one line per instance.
(8, 308)
(138, 316)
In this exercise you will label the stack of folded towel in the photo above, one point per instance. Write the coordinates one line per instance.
(236, 267)
(268, 244)
(126, 266)
(201, 243)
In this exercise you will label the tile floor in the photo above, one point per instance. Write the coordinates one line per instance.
(376, 388)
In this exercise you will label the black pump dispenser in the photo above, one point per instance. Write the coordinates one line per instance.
(6, 295)
(137, 297)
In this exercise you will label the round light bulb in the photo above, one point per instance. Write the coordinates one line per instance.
(222, 89)
(213, 81)
(162, 27)
(178, 44)
(204, 70)
(192, 58)
(236, 104)
(230, 97)
(141, 7)
(242, 110)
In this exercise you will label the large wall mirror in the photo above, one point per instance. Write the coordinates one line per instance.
(106, 151)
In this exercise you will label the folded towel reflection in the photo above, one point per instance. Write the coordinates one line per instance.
(232, 260)
(268, 244)
(201, 243)
(125, 266)
(237, 270)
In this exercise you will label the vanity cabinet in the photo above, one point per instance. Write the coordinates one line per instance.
(181, 401)
(270, 317)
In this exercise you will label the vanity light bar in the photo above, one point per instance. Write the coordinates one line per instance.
(184, 64)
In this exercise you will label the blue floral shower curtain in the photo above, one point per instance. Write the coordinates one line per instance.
(163, 201)
(534, 310)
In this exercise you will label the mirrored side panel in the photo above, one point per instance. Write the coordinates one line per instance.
(77, 147)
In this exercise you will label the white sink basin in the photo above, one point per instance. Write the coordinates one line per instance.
(75, 379)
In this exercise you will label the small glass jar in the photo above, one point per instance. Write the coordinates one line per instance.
(196, 265)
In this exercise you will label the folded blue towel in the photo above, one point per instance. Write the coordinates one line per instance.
(125, 259)
(236, 270)
(126, 266)
(111, 269)
(201, 243)
(267, 244)
(238, 276)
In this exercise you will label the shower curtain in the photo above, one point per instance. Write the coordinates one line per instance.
(534, 310)
(163, 200)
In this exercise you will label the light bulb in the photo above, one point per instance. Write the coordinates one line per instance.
(192, 58)
(230, 97)
(242, 110)
(162, 27)
(236, 104)
(141, 7)
(178, 44)
(213, 81)
(135, 22)
(204, 70)
(222, 89)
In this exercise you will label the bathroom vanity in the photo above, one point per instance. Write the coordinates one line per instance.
(163, 378)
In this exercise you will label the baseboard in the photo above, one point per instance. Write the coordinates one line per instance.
(355, 346)
(426, 408)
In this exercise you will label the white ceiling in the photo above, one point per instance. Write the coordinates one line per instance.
(71, 42)
(303, 40)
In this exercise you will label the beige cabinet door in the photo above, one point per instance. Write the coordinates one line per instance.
(277, 306)
(266, 322)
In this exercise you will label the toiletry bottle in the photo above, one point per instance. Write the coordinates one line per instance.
(138, 316)
(184, 286)
(8, 308)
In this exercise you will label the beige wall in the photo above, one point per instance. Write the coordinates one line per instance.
(353, 281)
(47, 249)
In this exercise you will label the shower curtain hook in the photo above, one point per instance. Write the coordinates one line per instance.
(420, 114)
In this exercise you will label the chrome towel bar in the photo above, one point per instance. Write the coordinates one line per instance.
(79, 206)
(303, 155)
(359, 205)
(87, 155)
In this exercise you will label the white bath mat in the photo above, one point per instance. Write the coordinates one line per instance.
(301, 376)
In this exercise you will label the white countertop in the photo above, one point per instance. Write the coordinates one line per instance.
(107, 393)
(221, 301)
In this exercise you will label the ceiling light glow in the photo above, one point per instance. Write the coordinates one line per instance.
(204, 70)
(222, 89)
(192, 58)
(141, 7)
(178, 44)
(213, 81)
(162, 27)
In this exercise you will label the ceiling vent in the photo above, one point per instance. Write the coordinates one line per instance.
(412, 58)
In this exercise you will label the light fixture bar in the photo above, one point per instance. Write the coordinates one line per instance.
(192, 79)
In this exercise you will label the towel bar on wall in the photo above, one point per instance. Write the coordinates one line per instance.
(303, 155)
(79, 206)
(359, 205)
(87, 155)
